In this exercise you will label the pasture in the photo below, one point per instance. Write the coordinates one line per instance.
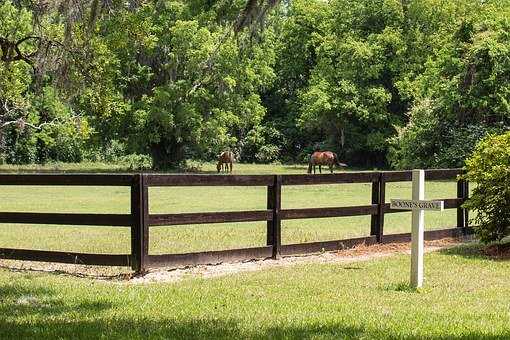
(192, 238)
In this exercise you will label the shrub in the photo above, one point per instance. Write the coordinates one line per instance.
(136, 162)
(62, 142)
(113, 151)
(489, 169)
(261, 145)
(21, 147)
(267, 154)
(416, 145)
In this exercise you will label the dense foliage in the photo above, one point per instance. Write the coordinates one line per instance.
(381, 82)
(489, 169)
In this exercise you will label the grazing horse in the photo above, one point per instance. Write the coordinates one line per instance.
(324, 158)
(225, 159)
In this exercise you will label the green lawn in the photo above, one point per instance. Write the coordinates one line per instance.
(178, 239)
(465, 297)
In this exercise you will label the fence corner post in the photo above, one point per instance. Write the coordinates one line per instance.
(274, 228)
(139, 228)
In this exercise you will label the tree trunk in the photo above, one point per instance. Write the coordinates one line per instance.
(167, 154)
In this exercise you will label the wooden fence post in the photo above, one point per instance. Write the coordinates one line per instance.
(139, 229)
(380, 212)
(375, 220)
(460, 211)
(463, 195)
(466, 212)
(274, 227)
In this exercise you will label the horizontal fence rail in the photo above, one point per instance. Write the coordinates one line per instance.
(66, 257)
(140, 220)
(346, 177)
(289, 214)
(114, 220)
(208, 180)
(212, 217)
(209, 257)
(67, 179)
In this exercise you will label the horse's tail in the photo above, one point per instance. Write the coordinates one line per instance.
(335, 159)
(310, 165)
(337, 162)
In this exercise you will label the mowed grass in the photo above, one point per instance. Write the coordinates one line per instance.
(178, 239)
(465, 297)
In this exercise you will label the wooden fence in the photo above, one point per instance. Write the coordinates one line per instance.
(140, 220)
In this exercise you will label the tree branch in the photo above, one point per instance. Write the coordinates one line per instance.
(11, 49)
(21, 123)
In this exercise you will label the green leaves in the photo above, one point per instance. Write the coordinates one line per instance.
(15, 23)
(203, 89)
(367, 79)
(352, 84)
(489, 169)
(466, 76)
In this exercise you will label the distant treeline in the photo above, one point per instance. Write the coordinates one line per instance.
(400, 83)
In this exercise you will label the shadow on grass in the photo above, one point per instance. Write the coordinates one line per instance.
(494, 252)
(470, 251)
(43, 313)
(41, 302)
(199, 329)
(73, 272)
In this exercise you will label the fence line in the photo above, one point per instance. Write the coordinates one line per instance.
(140, 220)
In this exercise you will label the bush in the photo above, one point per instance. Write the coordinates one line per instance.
(109, 153)
(114, 151)
(136, 162)
(267, 154)
(21, 147)
(260, 145)
(63, 142)
(416, 145)
(489, 169)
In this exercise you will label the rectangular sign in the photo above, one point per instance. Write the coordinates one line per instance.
(417, 205)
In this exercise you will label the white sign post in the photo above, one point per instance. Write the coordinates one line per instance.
(418, 206)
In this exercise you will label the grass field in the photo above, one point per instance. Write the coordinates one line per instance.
(190, 238)
(465, 297)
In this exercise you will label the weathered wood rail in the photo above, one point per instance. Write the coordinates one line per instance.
(140, 220)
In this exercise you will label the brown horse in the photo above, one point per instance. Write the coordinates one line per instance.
(225, 159)
(324, 158)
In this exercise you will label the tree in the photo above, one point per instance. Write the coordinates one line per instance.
(465, 83)
(191, 89)
(351, 99)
